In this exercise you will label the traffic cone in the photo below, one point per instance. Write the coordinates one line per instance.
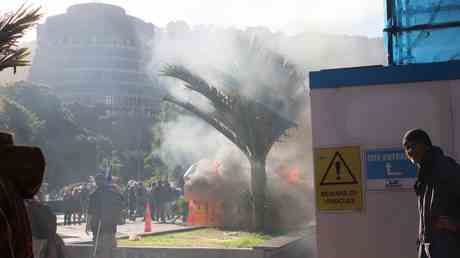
(147, 218)
(191, 213)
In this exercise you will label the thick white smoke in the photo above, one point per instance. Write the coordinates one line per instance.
(208, 52)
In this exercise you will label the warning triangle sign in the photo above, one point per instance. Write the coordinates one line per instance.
(338, 172)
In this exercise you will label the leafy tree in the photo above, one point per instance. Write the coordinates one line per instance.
(69, 149)
(18, 119)
(124, 137)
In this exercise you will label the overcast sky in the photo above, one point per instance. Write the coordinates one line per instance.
(353, 17)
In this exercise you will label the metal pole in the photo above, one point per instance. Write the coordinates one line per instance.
(390, 22)
(98, 233)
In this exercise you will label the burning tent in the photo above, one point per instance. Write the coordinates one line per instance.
(218, 195)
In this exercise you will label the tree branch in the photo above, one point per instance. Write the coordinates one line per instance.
(210, 120)
(197, 84)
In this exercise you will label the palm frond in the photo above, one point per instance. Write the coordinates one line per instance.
(217, 122)
(197, 84)
(12, 28)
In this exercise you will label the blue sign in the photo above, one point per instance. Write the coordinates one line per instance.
(389, 169)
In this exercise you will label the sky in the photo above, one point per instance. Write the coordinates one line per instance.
(350, 17)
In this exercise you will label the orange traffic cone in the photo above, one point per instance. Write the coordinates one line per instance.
(191, 213)
(147, 218)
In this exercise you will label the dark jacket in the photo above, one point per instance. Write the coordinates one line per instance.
(22, 170)
(44, 225)
(105, 205)
(438, 190)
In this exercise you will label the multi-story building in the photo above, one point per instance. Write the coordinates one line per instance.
(96, 53)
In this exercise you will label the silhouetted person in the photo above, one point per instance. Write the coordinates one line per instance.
(46, 242)
(22, 170)
(438, 193)
(170, 198)
(141, 198)
(84, 199)
(67, 200)
(105, 206)
(156, 195)
(161, 202)
(132, 202)
(153, 200)
(75, 203)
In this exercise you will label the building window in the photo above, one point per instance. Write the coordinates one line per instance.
(109, 100)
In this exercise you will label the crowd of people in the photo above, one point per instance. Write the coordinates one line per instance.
(160, 195)
(75, 199)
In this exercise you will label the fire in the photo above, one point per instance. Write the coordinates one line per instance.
(203, 185)
(216, 195)
(290, 174)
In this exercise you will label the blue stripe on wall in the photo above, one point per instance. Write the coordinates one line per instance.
(378, 75)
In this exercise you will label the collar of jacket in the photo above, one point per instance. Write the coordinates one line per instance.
(426, 165)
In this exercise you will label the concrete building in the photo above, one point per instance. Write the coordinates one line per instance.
(365, 202)
(96, 53)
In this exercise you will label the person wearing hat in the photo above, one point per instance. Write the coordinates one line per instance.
(438, 193)
(104, 211)
(22, 169)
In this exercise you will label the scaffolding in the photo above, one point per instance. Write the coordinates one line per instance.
(422, 31)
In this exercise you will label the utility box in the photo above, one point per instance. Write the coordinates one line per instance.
(365, 203)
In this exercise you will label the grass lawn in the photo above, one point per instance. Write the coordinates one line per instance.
(208, 237)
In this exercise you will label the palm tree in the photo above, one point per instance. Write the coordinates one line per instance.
(12, 28)
(248, 123)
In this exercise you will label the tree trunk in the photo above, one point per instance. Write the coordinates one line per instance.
(258, 185)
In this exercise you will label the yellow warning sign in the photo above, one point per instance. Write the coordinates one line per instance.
(338, 179)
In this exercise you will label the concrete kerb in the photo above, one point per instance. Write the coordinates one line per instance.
(144, 234)
(187, 228)
(278, 242)
(275, 247)
(282, 246)
(78, 251)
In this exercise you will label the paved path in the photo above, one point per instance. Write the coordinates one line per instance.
(76, 233)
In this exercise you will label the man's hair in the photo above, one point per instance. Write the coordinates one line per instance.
(417, 136)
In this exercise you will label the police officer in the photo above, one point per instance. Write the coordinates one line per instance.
(105, 205)
(438, 193)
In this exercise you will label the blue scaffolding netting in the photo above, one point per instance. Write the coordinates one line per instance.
(422, 31)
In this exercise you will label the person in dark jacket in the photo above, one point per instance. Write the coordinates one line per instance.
(22, 173)
(67, 200)
(161, 196)
(132, 203)
(104, 209)
(438, 193)
(153, 200)
(46, 242)
(141, 198)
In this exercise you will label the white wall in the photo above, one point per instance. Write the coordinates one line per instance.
(374, 116)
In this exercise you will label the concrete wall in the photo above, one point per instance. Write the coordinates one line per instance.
(278, 247)
(79, 251)
(378, 116)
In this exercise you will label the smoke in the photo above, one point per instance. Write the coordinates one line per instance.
(187, 140)
(243, 61)
(218, 55)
